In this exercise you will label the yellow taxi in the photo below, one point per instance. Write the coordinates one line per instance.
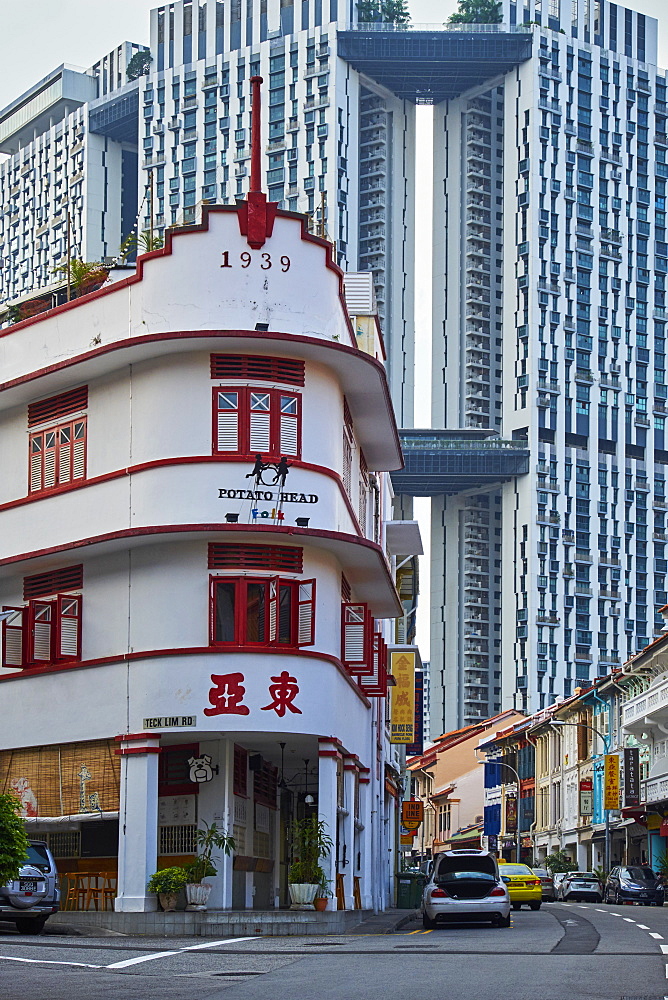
(523, 885)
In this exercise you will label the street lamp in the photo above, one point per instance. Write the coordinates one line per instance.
(606, 746)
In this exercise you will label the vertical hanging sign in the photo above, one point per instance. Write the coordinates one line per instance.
(402, 701)
(611, 782)
(631, 776)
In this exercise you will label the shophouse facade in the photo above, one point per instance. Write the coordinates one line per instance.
(197, 569)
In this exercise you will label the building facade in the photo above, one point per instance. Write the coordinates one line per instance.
(549, 328)
(196, 573)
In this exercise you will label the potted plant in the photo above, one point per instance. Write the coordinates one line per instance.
(209, 839)
(85, 276)
(167, 883)
(310, 843)
(323, 893)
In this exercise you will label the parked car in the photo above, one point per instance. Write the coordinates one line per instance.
(581, 886)
(558, 879)
(634, 884)
(32, 897)
(546, 884)
(465, 885)
(523, 885)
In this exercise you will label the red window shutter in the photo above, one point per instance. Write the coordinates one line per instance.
(53, 582)
(306, 613)
(68, 627)
(275, 558)
(35, 471)
(272, 609)
(259, 435)
(50, 438)
(14, 638)
(374, 683)
(57, 407)
(226, 422)
(41, 631)
(289, 430)
(79, 449)
(255, 366)
(347, 462)
(355, 637)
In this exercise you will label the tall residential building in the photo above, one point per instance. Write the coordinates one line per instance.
(550, 260)
(549, 329)
(71, 164)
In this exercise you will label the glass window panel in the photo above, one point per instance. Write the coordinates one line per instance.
(288, 404)
(256, 599)
(259, 401)
(225, 605)
(285, 615)
(228, 400)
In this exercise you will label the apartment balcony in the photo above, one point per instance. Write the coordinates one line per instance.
(648, 712)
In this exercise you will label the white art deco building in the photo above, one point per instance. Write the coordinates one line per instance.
(175, 599)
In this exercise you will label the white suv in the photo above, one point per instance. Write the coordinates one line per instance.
(32, 897)
(465, 885)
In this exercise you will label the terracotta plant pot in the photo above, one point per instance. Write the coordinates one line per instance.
(168, 901)
(320, 903)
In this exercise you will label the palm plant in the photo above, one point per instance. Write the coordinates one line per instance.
(141, 243)
(209, 839)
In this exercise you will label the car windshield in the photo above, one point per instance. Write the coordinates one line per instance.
(587, 875)
(515, 870)
(542, 872)
(639, 874)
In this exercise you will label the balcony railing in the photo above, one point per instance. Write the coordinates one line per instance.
(653, 702)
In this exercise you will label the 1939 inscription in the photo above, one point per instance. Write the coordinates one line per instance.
(263, 260)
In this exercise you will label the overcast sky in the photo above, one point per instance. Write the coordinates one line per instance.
(36, 35)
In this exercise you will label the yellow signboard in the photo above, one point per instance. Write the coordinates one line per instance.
(402, 702)
(412, 814)
(611, 782)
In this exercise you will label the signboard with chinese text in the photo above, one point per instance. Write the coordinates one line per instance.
(586, 803)
(611, 782)
(631, 776)
(511, 815)
(412, 814)
(402, 699)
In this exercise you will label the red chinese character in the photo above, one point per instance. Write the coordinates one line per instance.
(283, 691)
(227, 695)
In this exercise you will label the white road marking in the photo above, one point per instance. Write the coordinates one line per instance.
(46, 961)
(667, 972)
(167, 954)
(643, 927)
(657, 937)
(142, 958)
(615, 914)
(629, 920)
(664, 948)
(598, 910)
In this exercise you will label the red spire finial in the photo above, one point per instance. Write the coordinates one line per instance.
(256, 214)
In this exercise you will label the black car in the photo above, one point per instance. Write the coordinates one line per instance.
(634, 884)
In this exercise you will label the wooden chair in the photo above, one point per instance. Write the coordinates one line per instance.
(357, 895)
(108, 892)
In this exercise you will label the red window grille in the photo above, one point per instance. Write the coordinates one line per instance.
(346, 592)
(249, 611)
(43, 584)
(57, 455)
(43, 631)
(265, 784)
(174, 769)
(250, 421)
(57, 407)
(240, 774)
(290, 371)
(276, 558)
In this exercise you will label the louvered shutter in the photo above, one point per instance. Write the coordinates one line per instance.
(354, 640)
(289, 426)
(79, 450)
(374, 682)
(13, 638)
(41, 616)
(68, 625)
(306, 613)
(347, 462)
(227, 421)
(273, 610)
(50, 447)
(64, 436)
(36, 456)
(260, 423)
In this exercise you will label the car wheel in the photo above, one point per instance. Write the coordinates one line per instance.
(534, 906)
(516, 906)
(427, 923)
(501, 921)
(25, 925)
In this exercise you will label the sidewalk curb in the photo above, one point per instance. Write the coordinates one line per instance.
(410, 915)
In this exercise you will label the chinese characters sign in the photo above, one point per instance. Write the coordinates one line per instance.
(402, 718)
(611, 782)
(226, 697)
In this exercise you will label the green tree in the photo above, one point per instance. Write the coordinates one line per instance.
(141, 243)
(383, 11)
(558, 862)
(139, 65)
(477, 12)
(13, 840)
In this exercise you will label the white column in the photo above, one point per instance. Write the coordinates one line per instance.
(328, 808)
(138, 825)
(215, 805)
(348, 830)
